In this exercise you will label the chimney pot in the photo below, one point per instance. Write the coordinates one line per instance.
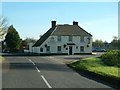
(53, 23)
(75, 23)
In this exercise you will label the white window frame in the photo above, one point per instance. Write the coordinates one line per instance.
(82, 48)
(41, 49)
(48, 49)
(82, 39)
(59, 39)
(70, 38)
(59, 48)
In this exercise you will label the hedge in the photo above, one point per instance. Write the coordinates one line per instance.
(111, 58)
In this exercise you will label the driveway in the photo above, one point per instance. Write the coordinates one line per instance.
(68, 58)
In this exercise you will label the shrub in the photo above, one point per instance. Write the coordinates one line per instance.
(111, 58)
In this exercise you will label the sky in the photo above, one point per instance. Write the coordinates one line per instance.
(32, 19)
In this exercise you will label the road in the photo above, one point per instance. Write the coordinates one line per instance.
(42, 72)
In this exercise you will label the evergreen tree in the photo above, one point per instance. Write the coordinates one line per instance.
(12, 39)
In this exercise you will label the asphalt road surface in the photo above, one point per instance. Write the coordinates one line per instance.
(42, 72)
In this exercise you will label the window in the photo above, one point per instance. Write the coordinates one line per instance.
(52, 38)
(82, 48)
(88, 40)
(82, 38)
(48, 48)
(59, 38)
(41, 49)
(76, 47)
(59, 48)
(70, 38)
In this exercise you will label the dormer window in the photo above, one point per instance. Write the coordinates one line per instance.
(59, 38)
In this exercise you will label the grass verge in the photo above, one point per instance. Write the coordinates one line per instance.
(97, 67)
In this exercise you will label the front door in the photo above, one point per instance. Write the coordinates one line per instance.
(70, 50)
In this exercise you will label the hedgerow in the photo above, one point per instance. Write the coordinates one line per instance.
(111, 58)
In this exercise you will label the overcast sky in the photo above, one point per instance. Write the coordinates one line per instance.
(32, 19)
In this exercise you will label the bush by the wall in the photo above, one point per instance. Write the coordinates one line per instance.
(111, 58)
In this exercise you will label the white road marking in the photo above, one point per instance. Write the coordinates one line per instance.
(31, 61)
(33, 64)
(46, 81)
(37, 69)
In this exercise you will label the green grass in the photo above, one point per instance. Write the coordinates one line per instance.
(97, 66)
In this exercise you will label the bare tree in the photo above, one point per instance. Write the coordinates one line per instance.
(3, 26)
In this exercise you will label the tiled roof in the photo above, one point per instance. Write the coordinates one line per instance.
(44, 37)
(65, 30)
(62, 30)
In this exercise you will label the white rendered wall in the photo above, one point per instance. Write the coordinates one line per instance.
(53, 43)
(30, 47)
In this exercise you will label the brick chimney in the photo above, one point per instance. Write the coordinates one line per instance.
(53, 24)
(75, 23)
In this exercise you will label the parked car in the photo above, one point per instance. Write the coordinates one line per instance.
(98, 50)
